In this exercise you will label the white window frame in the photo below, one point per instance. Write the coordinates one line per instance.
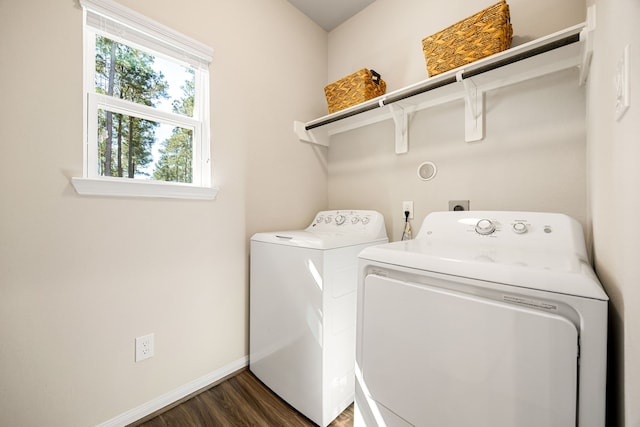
(109, 19)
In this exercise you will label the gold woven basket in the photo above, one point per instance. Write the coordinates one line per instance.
(354, 89)
(483, 34)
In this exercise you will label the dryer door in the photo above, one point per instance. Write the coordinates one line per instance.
(436, 357)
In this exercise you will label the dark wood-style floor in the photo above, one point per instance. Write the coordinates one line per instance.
(241, 400)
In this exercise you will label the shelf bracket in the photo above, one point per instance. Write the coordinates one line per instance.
(586, 37)
(473, 109)
(315, 136)
(401, 120)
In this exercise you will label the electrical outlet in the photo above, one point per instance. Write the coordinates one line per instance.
(458, 205)
(144, 347)
(407, 206)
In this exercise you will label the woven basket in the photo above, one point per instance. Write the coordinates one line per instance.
(353, 89)
(485, 33)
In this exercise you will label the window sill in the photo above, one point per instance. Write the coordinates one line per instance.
(125, 187)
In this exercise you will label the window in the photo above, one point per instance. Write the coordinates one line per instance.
(146, 127)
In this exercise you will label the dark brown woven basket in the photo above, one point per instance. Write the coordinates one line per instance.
(354, 89)
(483, 34)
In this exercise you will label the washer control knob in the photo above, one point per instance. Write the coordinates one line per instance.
(340, 219)
(365, 220)
(355, 220)
(485, 227)
(327, 219)
(319, 219)
(519, 228)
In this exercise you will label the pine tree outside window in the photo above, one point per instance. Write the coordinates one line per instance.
(146, 107)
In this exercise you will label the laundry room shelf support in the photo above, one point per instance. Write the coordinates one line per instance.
(317, 136)
(586, 37)
(566, 49)
(474, 109)
(401, 120)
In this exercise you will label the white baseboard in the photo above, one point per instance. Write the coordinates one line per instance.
(167, 399)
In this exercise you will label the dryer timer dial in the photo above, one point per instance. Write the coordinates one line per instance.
(519, 228)
(485, 227)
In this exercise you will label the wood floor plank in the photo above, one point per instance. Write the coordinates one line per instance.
(241, 400)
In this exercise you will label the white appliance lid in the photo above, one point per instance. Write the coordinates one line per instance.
(332, 229)
(315, 240)
(548, 255)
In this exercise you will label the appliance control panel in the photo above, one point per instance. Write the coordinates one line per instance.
(347, 221)
(488, 226)
(532, 230)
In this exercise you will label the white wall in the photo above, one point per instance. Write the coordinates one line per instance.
(81, 277)
(615, 200)
(532, 157)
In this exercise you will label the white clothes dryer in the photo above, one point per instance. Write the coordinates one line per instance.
(486, 319)
(302, 314)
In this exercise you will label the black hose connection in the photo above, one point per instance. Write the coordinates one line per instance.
(406, 234)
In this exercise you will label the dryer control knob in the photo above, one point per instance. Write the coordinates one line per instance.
(365, 220)
(519, 228)
(340, 219)
(355, 220)
(485, 227)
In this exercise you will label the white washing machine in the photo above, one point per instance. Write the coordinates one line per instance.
(486, 319)
(303, 309)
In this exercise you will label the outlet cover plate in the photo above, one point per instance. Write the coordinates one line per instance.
(407, 206)
(464, 204)
(144, 347)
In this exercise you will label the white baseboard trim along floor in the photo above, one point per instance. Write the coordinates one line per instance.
(167, 399)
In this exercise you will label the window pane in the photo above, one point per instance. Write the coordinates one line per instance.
(132, 147)
(138, 76)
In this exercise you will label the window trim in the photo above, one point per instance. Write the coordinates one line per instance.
(128, 187)
(107, 15)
